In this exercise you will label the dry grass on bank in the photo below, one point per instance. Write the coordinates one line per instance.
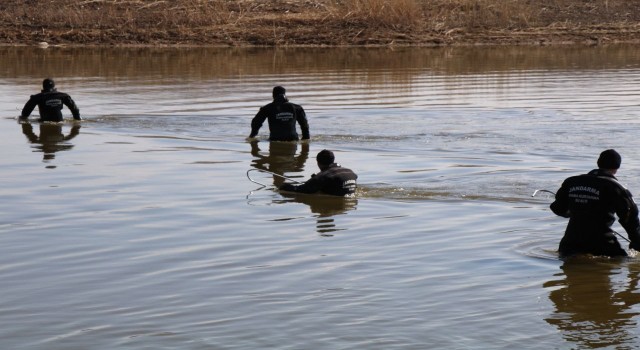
(291, 22)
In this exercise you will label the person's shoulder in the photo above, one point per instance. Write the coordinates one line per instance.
(337, 168)
(351, 171)
(575, 178)
(342, 168)
(61, 93)
(589, 175)
(267, 106)
(53, 92)
(601, 180)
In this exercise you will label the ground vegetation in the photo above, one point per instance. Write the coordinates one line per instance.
(318, 22)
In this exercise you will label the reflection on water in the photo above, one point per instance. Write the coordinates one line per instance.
(164, 64)
(595, 302)
(280, 159)
(50, 138)
(325, 208)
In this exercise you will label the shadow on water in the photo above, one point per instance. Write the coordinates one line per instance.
(595, 301)
(50, 139)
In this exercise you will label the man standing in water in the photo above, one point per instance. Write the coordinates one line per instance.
(282, 116)
(50, 102)
(332, 178)
(590, 201)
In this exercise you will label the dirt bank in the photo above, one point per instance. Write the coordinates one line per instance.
(319, 22)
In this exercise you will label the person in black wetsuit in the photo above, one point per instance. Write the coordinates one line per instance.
(590, 201)
(50, 102)
(282, 116)
(332, 179)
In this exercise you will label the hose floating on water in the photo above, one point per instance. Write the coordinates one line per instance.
(536, 192)
(268, 172)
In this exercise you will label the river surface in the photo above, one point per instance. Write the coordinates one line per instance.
(142, 227)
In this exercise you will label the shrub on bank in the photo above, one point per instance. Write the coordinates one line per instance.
(291, 22)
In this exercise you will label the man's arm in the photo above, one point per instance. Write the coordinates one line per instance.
(301, 117)
(560, 205)
(68, 101)
(28, 107)
(256, 122)
(627, 212)
(310, 186)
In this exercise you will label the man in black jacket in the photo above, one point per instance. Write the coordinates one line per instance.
(332, 178)
(590, 201)
(50, 102)
(282, 116)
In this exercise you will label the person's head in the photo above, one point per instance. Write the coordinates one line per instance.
(325, 158)
(609, 160)
(48, 84)
(279, 90)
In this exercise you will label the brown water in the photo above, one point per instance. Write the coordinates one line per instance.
(139, 227)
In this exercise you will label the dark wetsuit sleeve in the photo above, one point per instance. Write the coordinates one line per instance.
(68, 101)
(301, 117)
(560, 206)
(28, 107)
(257, 122)
(312, 185)
(627, 212)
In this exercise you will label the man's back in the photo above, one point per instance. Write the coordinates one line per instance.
(590, 201)
(335, 181)
(50, 104)
(282, 116)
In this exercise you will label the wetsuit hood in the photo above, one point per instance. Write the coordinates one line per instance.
(48, 84)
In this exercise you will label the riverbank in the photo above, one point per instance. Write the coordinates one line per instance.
(319, 22)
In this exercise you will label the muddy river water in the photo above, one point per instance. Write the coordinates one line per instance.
(138, 228)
